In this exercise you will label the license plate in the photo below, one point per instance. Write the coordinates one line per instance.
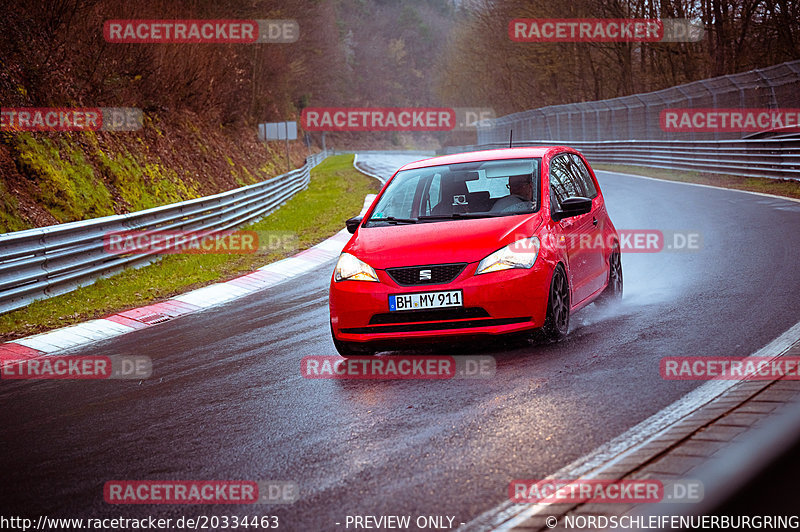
(426, 300)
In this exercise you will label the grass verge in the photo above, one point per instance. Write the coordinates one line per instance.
(779, 187)
(335, 193)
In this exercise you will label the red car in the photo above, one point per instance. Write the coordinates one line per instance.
(483, 243)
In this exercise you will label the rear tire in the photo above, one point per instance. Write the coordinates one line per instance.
(350, 349)
(556, 323)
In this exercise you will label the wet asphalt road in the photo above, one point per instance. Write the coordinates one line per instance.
(227, 400)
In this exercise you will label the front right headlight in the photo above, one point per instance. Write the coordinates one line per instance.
(349, 268)
(519, 254)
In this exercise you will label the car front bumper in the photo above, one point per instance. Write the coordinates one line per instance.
(502, 302)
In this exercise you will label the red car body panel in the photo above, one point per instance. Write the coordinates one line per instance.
(381, 247)
(514, 299)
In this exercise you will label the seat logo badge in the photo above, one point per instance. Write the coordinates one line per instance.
(424, 275)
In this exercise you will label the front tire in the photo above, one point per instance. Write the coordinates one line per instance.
(556, 323)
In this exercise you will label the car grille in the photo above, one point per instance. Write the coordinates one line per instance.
(439, 274)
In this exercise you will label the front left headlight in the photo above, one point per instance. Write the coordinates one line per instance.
(349, 268)
(519, 254)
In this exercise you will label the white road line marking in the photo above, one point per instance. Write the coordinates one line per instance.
(366, 173)
(47, 343)
(507, 515)
(74, 336)
(700, 185)
(87, 332)
(334, 246)
(367, 202)
(107, 328)
(211, 295)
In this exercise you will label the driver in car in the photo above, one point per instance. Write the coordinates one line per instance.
(521, 196)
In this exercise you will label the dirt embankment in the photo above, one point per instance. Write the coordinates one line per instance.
(50, 178)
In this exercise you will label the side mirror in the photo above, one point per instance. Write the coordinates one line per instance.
(574, 206)
(353, 223)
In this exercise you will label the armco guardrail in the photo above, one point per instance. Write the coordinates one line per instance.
(773, 158)
(43, 262)
(638, 116)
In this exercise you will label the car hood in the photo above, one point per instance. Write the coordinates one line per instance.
(439, 242)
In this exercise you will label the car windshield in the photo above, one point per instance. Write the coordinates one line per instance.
(459, 191)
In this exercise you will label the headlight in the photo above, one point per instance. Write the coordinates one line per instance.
(349, 268)
(519, 254)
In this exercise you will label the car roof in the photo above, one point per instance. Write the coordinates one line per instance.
(484, 155)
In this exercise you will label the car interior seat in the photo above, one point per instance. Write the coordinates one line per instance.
(454, 197)
(479, 201)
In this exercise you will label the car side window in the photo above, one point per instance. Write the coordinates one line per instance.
(563, 182)
(590, 191)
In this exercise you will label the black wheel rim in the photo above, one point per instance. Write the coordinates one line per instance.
(616, 274)
(559, 295)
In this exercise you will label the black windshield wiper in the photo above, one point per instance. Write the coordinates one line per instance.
(457, 215)
(395, 220)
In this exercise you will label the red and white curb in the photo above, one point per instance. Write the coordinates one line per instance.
(82, 334)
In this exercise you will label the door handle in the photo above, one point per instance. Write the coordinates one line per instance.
(594, 221)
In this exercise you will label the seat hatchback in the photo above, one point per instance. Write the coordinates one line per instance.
(483, 243)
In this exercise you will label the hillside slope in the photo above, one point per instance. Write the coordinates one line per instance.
(50, 178)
